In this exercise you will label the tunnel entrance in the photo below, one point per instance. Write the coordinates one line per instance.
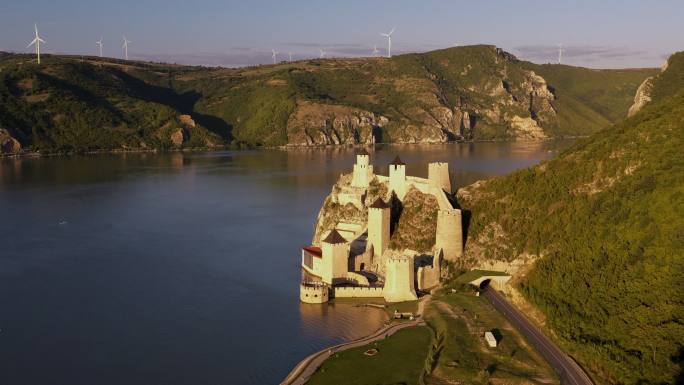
(485, 283)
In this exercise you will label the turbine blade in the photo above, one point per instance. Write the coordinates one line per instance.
(392, 31)
(42, 41)
(32, 43)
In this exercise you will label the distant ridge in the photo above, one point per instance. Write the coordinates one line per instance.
(74, 103)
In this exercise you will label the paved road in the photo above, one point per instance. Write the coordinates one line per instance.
(567, 368)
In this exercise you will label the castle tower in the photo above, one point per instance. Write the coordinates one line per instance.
(399, 280)
(449, 237)
(397, 177)
(335, 254)
(363, 170)
(378, 227)
(438, 174)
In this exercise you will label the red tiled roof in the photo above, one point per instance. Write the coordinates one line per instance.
(313, 250)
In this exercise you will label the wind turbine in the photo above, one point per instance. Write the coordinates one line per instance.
(99, 45)
(274, 55)
(388, 35)
(375, 50)
(36, 41)
(290, 55)
(125, 46)
(560, 53)
(322, 53)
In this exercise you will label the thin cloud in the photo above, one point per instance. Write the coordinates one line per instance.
(585, 53)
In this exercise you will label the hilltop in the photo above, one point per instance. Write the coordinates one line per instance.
(463, 93)
(594, 238)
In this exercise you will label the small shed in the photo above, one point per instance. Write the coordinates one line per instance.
(491, 339)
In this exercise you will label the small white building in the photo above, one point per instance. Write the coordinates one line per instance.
(491, 340)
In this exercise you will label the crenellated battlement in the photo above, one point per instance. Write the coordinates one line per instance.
(363, 171)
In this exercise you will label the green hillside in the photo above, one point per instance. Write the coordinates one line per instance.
(607, 219)
(671, 81)
(71, 105)
(463, 93)
(590, 99)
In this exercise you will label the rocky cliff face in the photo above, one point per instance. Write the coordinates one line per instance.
(500, 108)
(8, 144)
(642, 97)
(323, 124)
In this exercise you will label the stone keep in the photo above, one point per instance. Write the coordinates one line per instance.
(428, 276)
(363, 171)
(438, 175)
(378, 227)
(399, 280)
(397, 177)
(449, 237)
(335, 253)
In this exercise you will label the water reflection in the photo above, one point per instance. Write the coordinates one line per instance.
(356, 322)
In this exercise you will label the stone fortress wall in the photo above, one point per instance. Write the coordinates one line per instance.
(358, 292)
(313, 293)
(341, 264)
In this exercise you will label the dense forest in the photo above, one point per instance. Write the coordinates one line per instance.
(464, 93)
(606, 219)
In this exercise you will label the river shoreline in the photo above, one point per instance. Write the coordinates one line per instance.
(37, 154)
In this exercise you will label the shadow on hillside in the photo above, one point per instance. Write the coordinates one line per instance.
(679, 360)
(466, 215)
(214, 124)
(183, 103)
(82, 94)
(158, 94)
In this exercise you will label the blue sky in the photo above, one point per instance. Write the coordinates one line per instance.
(601, 34)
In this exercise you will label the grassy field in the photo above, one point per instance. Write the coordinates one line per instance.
(451, 349)
(401, 359)
(459, 321)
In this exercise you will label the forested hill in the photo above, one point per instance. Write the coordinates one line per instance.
(462, 93)
(607, 219)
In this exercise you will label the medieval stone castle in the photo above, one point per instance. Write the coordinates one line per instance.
(355, 259)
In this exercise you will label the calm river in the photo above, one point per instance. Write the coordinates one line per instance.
(181, 268)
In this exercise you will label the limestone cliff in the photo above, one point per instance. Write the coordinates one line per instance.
(642, 97)
(8, 144)
(323, 124)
